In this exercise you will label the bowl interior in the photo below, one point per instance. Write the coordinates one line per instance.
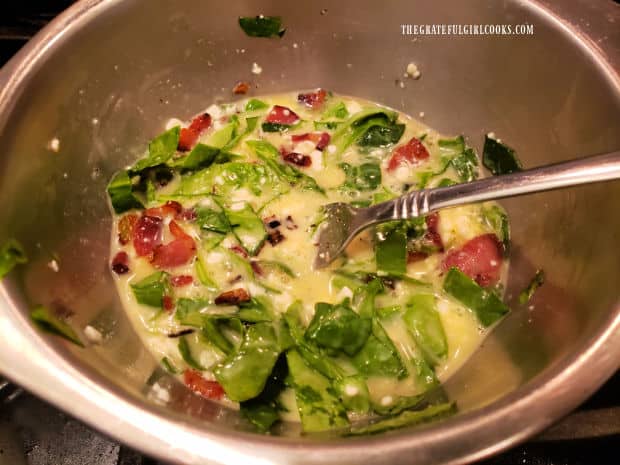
(110, 81)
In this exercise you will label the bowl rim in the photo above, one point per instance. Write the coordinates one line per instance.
(142, 425)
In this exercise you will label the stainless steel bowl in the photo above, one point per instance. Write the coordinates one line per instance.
(105, 75)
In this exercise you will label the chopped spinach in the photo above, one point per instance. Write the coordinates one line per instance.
(189, 311)
(11, 254)
(358, 124)
(151, 290)
(486, 304)
(497, 218)
(244, 373)
(337, 110)
(248, 228)
(527, 293)
(258, 309)
(498, 158)
(391, 249)
(275, 127)
(202, 156)
(262, 411)
(168, 366)
(186, 353)
(406, 418)
(161, 149)
(353, 392)
(379, 356)
(319, 407)
(213, 220)
(381, 136)
(337, 327)
(365, 177)
(43, 318)
(121, 192)
(463, 159)
(255, 104)
(425, 326)
(262, 26)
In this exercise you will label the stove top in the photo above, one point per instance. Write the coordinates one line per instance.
(34, 433)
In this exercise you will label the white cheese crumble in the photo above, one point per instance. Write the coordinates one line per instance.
(160, 393)
(173, 122)
(256, 69)
(53, 265)
(93, 335)
(215, 257)
(413, 71)
(421, 114)
(237, 206)
(331, 148)
(387, 400)
(350, 390)
(344, 293)
(54, 145)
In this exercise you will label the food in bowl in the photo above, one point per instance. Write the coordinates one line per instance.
(213, 244)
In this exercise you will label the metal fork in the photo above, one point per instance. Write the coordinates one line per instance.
(343, 222)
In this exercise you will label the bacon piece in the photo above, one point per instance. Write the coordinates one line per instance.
(177, 252)
(272, 222)
(282, 115)
(479, 258)
(181, 280)
(209, 389)
(257, 268)
(241, 87)
(413, 257)
(125, 228)
(298, 159)
(313, 99)
(275, 237)
(410, 153)
(167, 303)
(189, 136)
(232, 297)
(432, 230)
(188, 214)
(147, 235)
(170, 208)
(120, 263)
(320, 139)
(239, 251)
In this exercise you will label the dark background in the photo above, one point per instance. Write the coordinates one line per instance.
(45, 436)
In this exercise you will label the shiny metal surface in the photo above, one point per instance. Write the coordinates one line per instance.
(105, 76)
(343, 222)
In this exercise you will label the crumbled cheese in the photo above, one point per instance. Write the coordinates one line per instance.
(256, 69)
(237, 206)
(493, 262)
(402, 173)
(241, 194)
(305, 147)
(351, 390)
(421, 114)
(160, 393)
(54, 145)
(491, 135)
(93, 335)
(353, 107)
(344, 293)
(331, 148)
(295, 45)
(387, 400)
(317, 160)
(53, 265)
(215, 257)
(413, 71)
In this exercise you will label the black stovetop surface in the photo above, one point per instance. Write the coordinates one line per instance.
(34, 433)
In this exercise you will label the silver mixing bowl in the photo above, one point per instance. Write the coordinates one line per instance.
(105, 76)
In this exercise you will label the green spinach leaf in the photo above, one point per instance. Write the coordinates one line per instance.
(262, 26)
(161, 149)
(425, 326)
(46, 321)
(11, 254)
(186, 353)
(486, 304)
(151, 290)
(498, 158)
(527, 293)
(121, 192)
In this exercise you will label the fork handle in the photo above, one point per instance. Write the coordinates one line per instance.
(604, 167)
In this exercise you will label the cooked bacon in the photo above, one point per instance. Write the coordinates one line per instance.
(272, 222)
(209, 389)
(170, 208)
(432, 231)
(239, 251)
(298, 159)
(409, 154)
(290, 224)
(167, 303)
(282, 115)
(413, 257)
(177, 252)
(275, 237)
(181, 280)
(320, 139)
(120, 263)
(257, 268)
(241, 87)
(479, 258)
(147, 235)
(183, 332)
(313, 99)
(232, 297)
(125, 228)
(189, 136)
